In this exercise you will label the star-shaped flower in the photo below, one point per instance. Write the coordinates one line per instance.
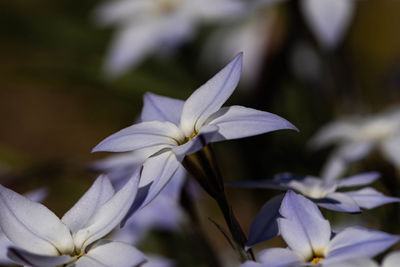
(153, 26)
(311, 242)
(41, 239)
(194, 123)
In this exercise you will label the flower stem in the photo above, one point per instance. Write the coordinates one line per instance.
(203, 167)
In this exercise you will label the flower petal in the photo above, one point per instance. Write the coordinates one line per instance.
(210, 97)
(37, 195)
(5, 243)
(27, 258)
(108, 215)
(333, 133)
(328, 19)
(141, 135)
(157, 172)
(161, 108)
(352, 263)
(338, 202)
(302, 226)
(238, 122)
(358, 242)
(265, 225)
(392, 259)
(98, 194)
(275, 257)
(359, 179)
(205, 136)
(369, 198)
(112, 254)
(391, 149)
(32, 226)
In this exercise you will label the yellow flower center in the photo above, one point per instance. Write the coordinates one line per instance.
(318, 256)
(193, 136)
(79, 255)
(317, 259)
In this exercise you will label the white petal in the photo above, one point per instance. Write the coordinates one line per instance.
(4, 245)
(353, 263)
(26, 258)
(328, 19)
(108, 215)
(339, 202)
(302, 226)
(358, 242)
(112, 254)
(161, 108)
(157, 171)
(392, 259)
(238, 122)
(205, 136)
(369, 198)
(391, 149)
(32, 226)
(37, 195)
(359, 179)
(334, 132)
(210, 97)
(141, 135)
(99, 193)
(131, 45)
(275, 257)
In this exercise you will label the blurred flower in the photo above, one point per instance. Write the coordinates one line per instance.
(391, 260)
(198, 121)
(357, 137)
(37, 195)
(310, 240)
(153, 26)
(322, 192)
(45, 240)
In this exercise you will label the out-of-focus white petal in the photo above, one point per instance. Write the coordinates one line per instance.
(392, 259)
(161, 108)
(141, 135)
(32, 226)
(302, 226)
(369, 198)
(27, 258)
(353, 263)
(210, 97)
(108, 215)
(275, 257)
(328, 19)
(358, 242)
(391, 149)
(37, 195)
(359, 179)
(206, 135)
(98, 194)
(333, 132)
(339, 202)
(209, 10)
(131, 45)
(112, 254)
(238, 122)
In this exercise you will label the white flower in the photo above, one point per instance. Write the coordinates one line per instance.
(42, 239)
(198, 121)
(357, 137)
(153, 26)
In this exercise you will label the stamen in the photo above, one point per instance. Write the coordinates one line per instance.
(317, 259)
(79, 255)
(193, 135)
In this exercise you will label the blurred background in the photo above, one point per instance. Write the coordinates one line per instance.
(57, 102)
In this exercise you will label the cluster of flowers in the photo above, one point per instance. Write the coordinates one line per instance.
(172, 136)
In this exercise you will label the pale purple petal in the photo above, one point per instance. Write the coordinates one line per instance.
(109, 215)
(210, 97)
(5, 243)
(98, 194)
(205, 136)
(369, 198)
(161, 108)
(328, 19)
(27, 258)
(238, 122)
(358, 242)
(37, 195)
(359, 179)
(32, 226)
(339, 202)
(112, 254)
(265, 225)
(392, 259)
(141, 135)
(157, 171)
(279, 257)
(302, 226)
(353, 263)
(251, 264)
